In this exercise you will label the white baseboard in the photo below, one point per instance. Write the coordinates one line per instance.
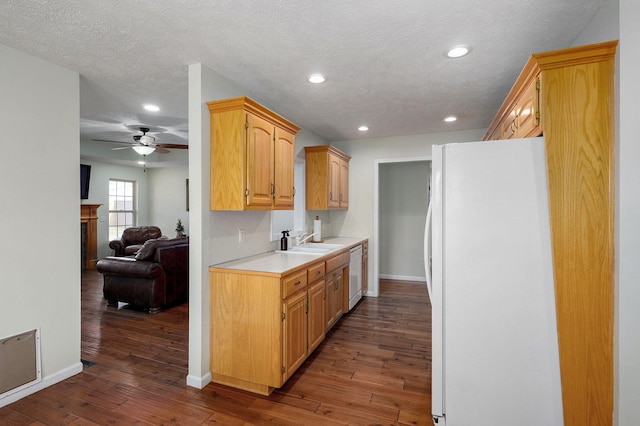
(197, 381)
(403, 278)
(46, 382)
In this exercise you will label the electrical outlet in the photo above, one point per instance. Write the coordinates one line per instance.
(241, 235)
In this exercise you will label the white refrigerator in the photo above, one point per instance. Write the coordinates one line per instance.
(490, 280)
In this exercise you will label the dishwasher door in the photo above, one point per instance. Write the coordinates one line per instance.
(355, 276)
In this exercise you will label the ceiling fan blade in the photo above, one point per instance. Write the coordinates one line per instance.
(106, 140)
(172, 145)
(161, 150)
(120, 147)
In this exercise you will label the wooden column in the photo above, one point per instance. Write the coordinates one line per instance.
(89, 216)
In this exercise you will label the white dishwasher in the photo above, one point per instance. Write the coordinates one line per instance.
(355, 276)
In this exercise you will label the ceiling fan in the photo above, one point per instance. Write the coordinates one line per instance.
(146, 144)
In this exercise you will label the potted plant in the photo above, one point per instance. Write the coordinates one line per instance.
(179, 229)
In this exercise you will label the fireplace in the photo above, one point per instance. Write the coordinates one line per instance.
(89, 235)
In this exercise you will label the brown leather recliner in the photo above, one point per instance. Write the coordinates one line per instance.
(133, 238)
(155, 278)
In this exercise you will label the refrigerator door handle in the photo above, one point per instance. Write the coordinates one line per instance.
(427, 253)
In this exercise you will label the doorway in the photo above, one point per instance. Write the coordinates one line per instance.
(400, 210)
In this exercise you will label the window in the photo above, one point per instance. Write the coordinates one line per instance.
(122, 203)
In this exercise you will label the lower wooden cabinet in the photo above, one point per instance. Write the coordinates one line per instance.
(315, 315)
(263, 325)
(334, 285)
(294, 327)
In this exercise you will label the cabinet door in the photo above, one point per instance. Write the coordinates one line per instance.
(509, 125)
(344, 184)
(283, 169)
(528, 111)
(339, 293)
(295, 333)
(260, 157)
(330, 301)
(334, 181)
(315, 316)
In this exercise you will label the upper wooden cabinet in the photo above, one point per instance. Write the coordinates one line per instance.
(252, 156)
(568, 96)
(519, 116)
(327, 176)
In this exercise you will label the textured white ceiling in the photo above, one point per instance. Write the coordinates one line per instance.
(384, 59)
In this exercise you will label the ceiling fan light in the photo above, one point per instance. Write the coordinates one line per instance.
(143, 149)
(146, 139)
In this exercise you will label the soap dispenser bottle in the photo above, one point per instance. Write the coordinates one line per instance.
(284, 240)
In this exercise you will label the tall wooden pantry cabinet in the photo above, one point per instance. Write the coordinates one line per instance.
(568, 96)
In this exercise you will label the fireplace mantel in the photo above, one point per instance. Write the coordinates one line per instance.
(89, 216)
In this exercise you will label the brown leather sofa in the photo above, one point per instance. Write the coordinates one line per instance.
(133, 238)
(155, 278)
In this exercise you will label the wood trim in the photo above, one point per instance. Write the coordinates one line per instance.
(247, 104)
(579, 55)
(328, 148)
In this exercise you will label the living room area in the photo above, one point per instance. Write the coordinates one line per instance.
(156, 193)
(134, 222)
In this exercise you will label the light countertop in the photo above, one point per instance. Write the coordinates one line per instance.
(278, 262)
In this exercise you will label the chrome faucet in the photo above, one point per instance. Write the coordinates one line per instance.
(302, 239)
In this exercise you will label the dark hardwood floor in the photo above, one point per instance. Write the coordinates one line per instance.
(373, 368)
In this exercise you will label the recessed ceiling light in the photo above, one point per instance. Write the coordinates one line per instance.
(450, 119)
(317, 78)
(363, 128)
(152, 108)
(458, 51)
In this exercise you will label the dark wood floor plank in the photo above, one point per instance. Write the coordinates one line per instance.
(373, 368)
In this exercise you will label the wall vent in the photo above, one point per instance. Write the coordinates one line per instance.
(19, 362)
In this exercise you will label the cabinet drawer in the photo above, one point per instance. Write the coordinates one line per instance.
(294, 283)
(338, 261)
(315, 272)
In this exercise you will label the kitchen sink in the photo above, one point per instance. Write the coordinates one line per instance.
(312, 248)
(322, 246)
(305, 250)
(308, 249)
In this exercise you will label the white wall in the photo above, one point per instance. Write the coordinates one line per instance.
(39, 178)
(168, 198)
(603, 27)
(402, 209)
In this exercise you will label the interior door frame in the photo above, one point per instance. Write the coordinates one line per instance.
(374, 289)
